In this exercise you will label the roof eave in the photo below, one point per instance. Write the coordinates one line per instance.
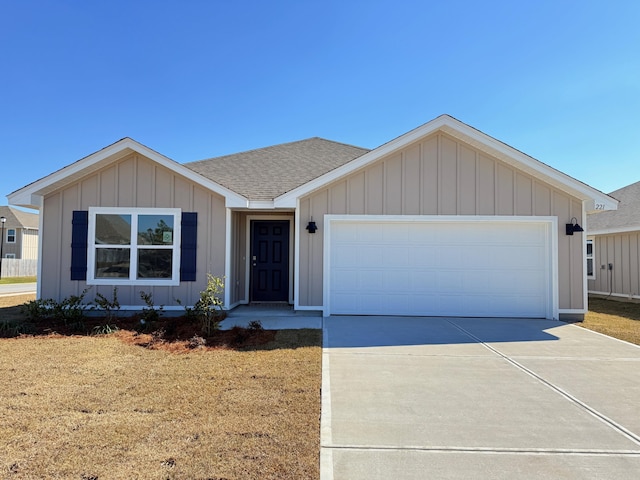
(593, 199)
(614, 230)
(31, 195)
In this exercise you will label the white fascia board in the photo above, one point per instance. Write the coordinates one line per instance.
(595, 200)
(29, 195)
(611, 231)
(26, 200)
(594, 205)
(260, 205)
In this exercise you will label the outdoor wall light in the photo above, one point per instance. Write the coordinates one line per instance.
(311, 226)
(573, 226)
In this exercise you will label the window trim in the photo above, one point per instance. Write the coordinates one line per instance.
(15, 234)
(590, 257)
(132, 280)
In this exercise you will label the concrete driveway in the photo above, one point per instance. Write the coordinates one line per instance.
(460, 398)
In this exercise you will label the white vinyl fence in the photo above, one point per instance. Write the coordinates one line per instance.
(13, 267)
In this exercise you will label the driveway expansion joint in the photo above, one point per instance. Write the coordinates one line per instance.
(595, 413)
(486, 450)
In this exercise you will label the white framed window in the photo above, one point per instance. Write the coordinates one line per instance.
(10, 255)
(591, 273)
(11, 235)
(133, 246)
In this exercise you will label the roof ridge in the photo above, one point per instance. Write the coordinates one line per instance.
(271, 147)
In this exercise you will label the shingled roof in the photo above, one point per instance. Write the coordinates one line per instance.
(267, 173)
(626, 217)
(18, 218)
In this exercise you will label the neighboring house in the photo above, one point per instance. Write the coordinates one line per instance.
(444, 220)
(613, 247)
(20, 238)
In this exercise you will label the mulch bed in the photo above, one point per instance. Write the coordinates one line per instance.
(175, 334)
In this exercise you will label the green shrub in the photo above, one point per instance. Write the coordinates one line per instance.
(150, 313)
(71, 310)
(35, 310)
(255, 326)
(9, 328)
(208, 309)
(111, 307)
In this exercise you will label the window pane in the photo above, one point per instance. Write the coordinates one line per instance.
(155, 230)
(113, 229)
(590, 267)
(589, 248)
(11, 235)
(112, 263)
(154, 263)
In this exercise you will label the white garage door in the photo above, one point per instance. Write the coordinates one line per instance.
(494, 267)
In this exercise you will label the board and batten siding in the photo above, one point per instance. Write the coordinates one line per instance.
(29, 247)
(134, 181)
(440, 175)
(622, 250)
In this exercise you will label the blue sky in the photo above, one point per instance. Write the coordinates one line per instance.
(558, 80)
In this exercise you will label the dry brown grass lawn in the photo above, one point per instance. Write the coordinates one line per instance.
(97, 408)
(617, 319)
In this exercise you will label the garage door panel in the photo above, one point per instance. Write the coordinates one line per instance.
(367, 232)
(399, 234)
(431, 268)
(347, 256)
(396, 280)
(395, 257)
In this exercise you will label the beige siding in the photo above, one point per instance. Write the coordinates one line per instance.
(441, 176)
(29, 244)
(134, 181)
(623, 251)
(239, 257)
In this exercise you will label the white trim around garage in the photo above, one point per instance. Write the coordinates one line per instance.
(550, 256)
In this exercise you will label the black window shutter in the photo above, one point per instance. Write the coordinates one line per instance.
(79, 237)
(189, 246)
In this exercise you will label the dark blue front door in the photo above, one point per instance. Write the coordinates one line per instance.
(269, 260)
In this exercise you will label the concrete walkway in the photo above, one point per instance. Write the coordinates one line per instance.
(417, 398)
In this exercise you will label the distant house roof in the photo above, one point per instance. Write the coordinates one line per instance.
(267, 173)
(625, 218)
(18, 218)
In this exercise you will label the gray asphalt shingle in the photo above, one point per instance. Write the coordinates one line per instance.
(18, 218)
(627, 214)
(266, 173)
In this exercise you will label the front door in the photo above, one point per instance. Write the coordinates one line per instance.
(269, 260)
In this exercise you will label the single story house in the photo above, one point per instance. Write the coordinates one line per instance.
(443, 220)
(613, 247)
(20, 234)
